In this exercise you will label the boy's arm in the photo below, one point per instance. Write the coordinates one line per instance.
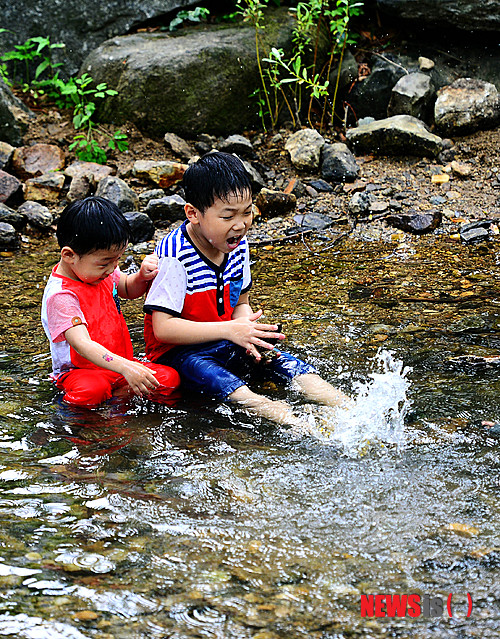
(140, 379)
(134, 285)
(243, 308)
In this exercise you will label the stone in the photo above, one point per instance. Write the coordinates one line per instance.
(33, 161)
(194, 81)
(14, 115)
(164, 173)
(425, 64)
(305, 148)
(467, 105)
(237, 144)
(81, 186)
(469, 15)
(16, 219)
(6, 151)
(461, 169)
(86, 23)
(314, 220)
(9, 238)
(141, 227)
(348, 74)
(378, 206)
(320, 185)
(150, 194)
(412, 95)
(275, 203)
(397, 135)
(256, 178)
(370, 97)
(37, 215)
(475, 232)
(88, 169)
(417, 223)
(45, 188)
(359, 204)
(118, 191)
(178, 146)
(338, 164)
(10, 186)
(166, 210)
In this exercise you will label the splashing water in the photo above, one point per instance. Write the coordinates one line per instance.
(376, 418)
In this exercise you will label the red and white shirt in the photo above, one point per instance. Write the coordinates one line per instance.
(67, 303)
(192, 287)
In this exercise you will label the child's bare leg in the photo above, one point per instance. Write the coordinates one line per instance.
(276, 411)
(316, 388)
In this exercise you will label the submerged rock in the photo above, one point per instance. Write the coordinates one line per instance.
(467, 105)
(305, 148)
(398, 135)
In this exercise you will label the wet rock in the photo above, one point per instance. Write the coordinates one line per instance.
(118, 191)
(9, 238)
(338, 164)
(38, 159)
(417, 223)
(88, 169)
(151, 194)
(467, 105)
(237, 144)
(45, 188)
(475, 232)
(256, 178)
(461, 169)
(9, 216)
(81, 186)
(141, 227)
(166, 210)
(6, 151)
(198, 80)
(371, 96)
(412, 95)
(37, 215)
(304, 148)
(398, 135)
(321, 186)
(275, 203)
(315, 221)
(359, 204)
(10, 186)
(425, 64)
(164, 173)
(14, 115)
(179, 146)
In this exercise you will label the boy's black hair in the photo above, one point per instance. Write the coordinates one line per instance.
(92, 224)
(215, 175)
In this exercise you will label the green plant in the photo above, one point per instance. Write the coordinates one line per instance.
(37, 49)
(193, 15)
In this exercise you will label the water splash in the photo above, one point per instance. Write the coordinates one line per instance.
(376, 418)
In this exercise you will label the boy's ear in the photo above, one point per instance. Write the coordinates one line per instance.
(192, 214)
(68, 255)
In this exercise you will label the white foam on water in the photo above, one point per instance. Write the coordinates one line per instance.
(376, 417)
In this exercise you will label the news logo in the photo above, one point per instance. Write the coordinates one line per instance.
(412, 605)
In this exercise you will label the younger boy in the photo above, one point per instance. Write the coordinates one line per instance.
(89, 340)
(198, 315)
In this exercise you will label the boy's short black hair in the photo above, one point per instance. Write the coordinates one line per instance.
(92, 224)
(215, 175)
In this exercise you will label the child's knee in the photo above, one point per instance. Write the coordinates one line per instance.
(88, 390)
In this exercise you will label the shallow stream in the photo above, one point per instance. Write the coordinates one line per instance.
(146, 522)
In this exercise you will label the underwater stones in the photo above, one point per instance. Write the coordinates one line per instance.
(178, 146)
(164, 173)
(338, 164)
(33, 161)
(416, 223)
(141, 227)
(412, 95)
(118, 191)
(14, 115)
(45, 188)
(10, 186)
(274, 203)
(305, 148)
(398, 135)
(37, 215)
(467, 105)
(9, 239)
(237, 144)
(166, 210)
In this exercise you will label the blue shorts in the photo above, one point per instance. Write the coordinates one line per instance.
(217, 369)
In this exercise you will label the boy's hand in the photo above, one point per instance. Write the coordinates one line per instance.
(149, 267)
(247, 332)
(140, 378)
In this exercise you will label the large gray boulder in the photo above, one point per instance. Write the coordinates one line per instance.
(14, 116)
(478, 15)
(398, 135)
(189, 82)
(467, 105)
(81, 26)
